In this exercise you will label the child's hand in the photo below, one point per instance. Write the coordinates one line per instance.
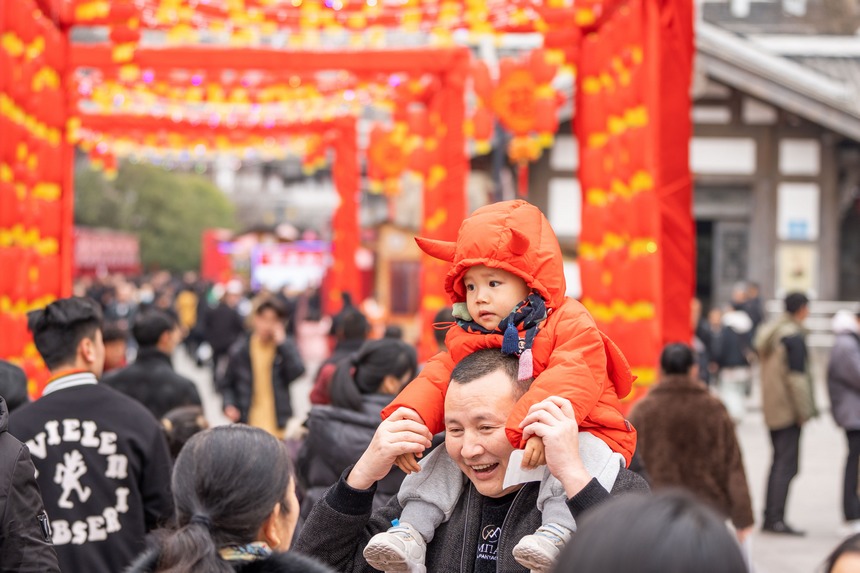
(533, 455)
(408, 463)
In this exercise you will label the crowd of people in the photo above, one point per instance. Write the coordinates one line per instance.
(507, 451)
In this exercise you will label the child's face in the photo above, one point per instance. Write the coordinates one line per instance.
(491, 294)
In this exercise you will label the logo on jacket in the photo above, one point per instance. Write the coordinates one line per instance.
(73, 469)
(68, 476)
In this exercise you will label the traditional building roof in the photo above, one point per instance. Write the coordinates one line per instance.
(825, 90)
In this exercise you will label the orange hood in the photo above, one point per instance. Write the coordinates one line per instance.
(513, 236)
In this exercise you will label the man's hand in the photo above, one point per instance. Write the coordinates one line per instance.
(232, 413)
(742, 534)
(533, 454)
(280, 334)
(554, 422)
(402, 433)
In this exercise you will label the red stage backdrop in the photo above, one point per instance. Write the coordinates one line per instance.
(637, 249)
(35, 192)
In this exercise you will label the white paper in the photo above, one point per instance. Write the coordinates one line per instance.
(516, 474)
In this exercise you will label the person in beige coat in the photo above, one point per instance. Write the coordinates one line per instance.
(787, 402)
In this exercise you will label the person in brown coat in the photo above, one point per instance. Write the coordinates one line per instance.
(687, 440)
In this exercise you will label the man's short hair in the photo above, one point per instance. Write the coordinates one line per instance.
(677, 358)
(273, 304)
(795, 301)
(113, 332)
(150, 325)
(353, 325)
(59, 328)
(488, 361)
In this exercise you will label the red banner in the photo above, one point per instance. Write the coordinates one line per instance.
(35, 173)
(637, 249)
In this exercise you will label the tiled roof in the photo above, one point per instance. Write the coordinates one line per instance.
(821, 89)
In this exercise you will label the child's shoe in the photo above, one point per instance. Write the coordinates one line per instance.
(539, 551)
(401, 548)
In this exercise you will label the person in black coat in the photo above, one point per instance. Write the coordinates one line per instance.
(236, 508)
(260, 369)
(151, 380)
(350, 335)
(223, 325)
(25, 536)
(338, 434)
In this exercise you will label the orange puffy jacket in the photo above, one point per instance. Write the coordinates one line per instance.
(572, 358)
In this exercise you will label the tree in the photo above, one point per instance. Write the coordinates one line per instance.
(167, 210)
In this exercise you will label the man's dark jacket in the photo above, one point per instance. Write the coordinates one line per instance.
(342, 523)
(152, 381)
(24, 545)
(237, 385)
(222, 325)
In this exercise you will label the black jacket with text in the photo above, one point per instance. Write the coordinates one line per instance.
(103, 469)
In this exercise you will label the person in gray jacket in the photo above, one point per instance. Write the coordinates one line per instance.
(843, 383)
(490, 516)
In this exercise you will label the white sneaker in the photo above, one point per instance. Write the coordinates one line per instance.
(539, 551)
(400, 549)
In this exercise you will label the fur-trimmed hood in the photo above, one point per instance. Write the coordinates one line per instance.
(511, 235)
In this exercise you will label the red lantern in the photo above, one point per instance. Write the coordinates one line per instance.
(514, 101)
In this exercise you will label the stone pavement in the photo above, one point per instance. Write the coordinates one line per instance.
(814, 503)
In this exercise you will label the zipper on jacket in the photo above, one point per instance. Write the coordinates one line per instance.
(465, 527)
(499, 552)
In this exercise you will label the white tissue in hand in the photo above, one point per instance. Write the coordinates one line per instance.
(516, 474)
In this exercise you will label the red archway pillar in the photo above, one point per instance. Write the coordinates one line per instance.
(444, 195)
(343, 275)
(637, 252)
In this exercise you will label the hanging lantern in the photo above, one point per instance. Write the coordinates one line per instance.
(386, 159)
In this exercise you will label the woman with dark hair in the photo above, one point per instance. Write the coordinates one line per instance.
(236, 508)
(338, 434)
(845, 558)
(669, 532)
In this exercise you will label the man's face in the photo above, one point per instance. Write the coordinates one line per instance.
(266, 323)
(172, 339)
(491, 294)
(115, 352)
(93, 352)
(475, 416)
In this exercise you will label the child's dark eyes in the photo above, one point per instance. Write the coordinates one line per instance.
(470, 287)
(495, 283)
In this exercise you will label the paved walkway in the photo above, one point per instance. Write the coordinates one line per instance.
(814, 500)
